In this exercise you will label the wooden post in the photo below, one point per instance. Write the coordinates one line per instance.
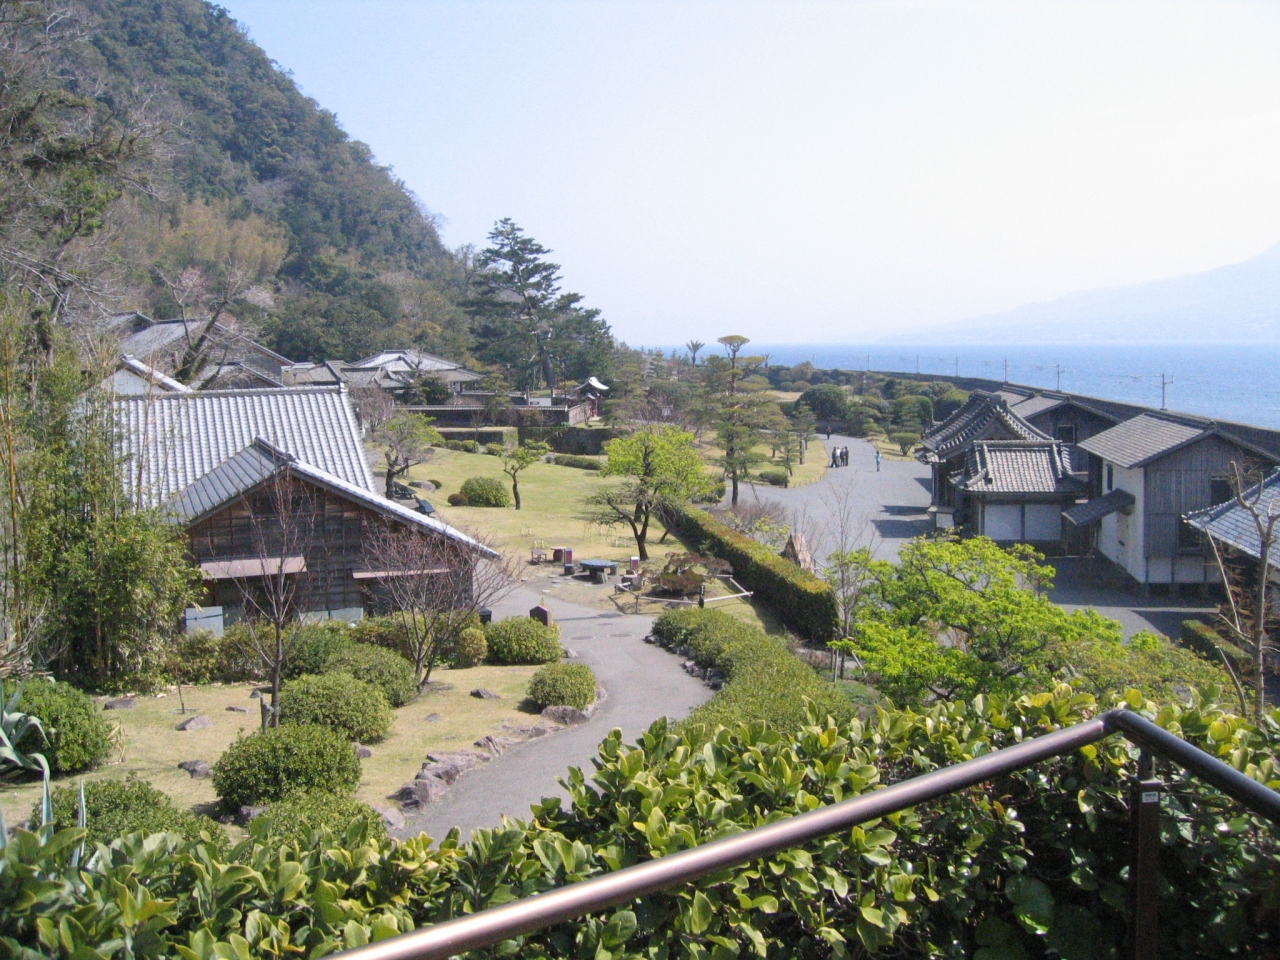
(1144, 869)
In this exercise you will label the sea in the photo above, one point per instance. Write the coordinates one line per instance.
(1226, 381)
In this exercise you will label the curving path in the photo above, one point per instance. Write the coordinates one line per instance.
(642, 682)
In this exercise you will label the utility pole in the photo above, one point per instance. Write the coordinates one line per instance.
(1006, 371)
(1058, 370)
(1163, 384)
(917, 364)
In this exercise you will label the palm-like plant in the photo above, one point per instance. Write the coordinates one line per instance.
(14, 728)
(693, 346)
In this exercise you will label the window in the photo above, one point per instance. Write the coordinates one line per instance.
(1111, 479)
(1065, 432)
(1188, 537)
(1220, 490)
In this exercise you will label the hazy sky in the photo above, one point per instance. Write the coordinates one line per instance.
(803, 171)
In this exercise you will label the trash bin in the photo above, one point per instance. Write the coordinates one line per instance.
(486, 615)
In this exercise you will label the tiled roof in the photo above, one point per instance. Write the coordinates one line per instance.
(260, 461)
(172, 440)
(1034, 405)
(1138, 441)
(984, 416)
(1013, 466)
(1097, 508)
(1233, 525)
(407, 360)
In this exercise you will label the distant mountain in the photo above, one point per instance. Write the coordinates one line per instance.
(1238, 302)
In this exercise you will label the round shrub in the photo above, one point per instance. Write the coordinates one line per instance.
(309, 646)
(776, 478)
(470, 649)
(386, 670)
(522, 640)
(271, 764)
(458, 500)
(295, 818)
(389, 631)
(76, 735)
(471, 446)
(354, 708)
(486, 492)
(563, 685)
(436, 484)
(201, 656)
(115, 808)
(494, 449)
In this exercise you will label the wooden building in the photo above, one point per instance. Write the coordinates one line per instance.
(1014, 491)
(212, 355)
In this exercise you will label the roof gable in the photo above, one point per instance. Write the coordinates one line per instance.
(984, 416)
(1018, 467)
(1144, 438)
(1233, 525)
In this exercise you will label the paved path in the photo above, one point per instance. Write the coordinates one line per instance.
(643, 683)
(891, 502)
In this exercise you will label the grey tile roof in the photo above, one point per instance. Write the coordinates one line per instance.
(1097, 508)
(172, 440)
(984, 416)
(1034, 405)
(1013, 466)
(407, 361)
(1138, 441)
(1232, 524)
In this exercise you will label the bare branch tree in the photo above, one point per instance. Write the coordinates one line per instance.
(436, 585)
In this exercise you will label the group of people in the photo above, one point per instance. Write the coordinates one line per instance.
(839, 456)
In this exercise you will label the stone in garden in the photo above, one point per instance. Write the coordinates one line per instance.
(541, 614)
(123, 703)
(195, 723)
(569, 716)
(363, 752)
(495, 746)
(234, 709)
(198, 769)
(432, 718)
(527, 732)
(392, 818)
(448, 772)
(256, 695)
(248, 813)
(481, 693)
(418, 793)
(466, 759)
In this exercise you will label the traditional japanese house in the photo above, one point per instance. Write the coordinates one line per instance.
(1014, 491)
(1235, 528)
(203, 353)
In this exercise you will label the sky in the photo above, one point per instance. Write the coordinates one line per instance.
(814, 172)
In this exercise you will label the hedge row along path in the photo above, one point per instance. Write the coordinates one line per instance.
(642, 682)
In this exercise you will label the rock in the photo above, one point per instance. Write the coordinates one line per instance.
(527, 732)
(483, 694)
(363, 752)
(649, 638)
(466, 759)
(237, 709)
(418, 793)
(569, 716)
(248, 813)
(495, 746)
(436, 686)
(392, 818)
(195, 723)
(448, 772)
(199, 769)
(256, 695)
(432, 718)
(122, 703)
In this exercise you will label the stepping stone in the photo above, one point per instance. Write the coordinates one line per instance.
(195, 723)
(363, 752)
(237, 709)
(123, 703)
(198, 769)
(432, 718)
(480, 693)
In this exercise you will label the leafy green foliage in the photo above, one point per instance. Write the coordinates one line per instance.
(470, 649)
(385, 669)
(563, 685)
(17, 727)
(572, 460)
(801, 600)
(305, 816)
(827, 401)
(76, 736)
(905, 441)
(522, 640)
(114, 808)
(355, 708)
(485, 492)
(201, 656)
(309, 646)
(271, 764)
(776, 478)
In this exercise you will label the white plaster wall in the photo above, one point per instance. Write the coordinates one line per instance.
(1120, 539)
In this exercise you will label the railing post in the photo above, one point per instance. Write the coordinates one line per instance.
(1144, 868)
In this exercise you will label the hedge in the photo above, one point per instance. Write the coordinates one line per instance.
(298, 816)
(1202, 639)
(522, 640)
(76, 736)
(116, 808)
(802, 601)
(766, 682)
(573, 460)
(355, 708)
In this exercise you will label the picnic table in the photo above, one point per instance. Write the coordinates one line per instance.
(599, 568)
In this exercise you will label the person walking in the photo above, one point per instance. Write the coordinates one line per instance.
(835, 456)
(877, 459)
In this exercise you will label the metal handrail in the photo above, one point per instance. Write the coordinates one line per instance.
(543, 910)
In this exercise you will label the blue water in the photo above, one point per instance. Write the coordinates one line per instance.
(1227, 381)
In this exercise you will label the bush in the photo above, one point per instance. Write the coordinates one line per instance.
(114, 808)
(470, 649)
(458, 500)
(76, 735)
(201, 656)
(494, 449)
(1203, 640)
(471, 446)
(354, 708)
(522, 640)
(385, 669)
(296, 818)
(310, 645)
(270, 765)
(801, 600)
(387, 631)
(766, 682)
(571, 460)
(776, 478)
(453, 445)
(905, 441)
(436, 484)
(486, 492)
(563, 685)
(827, 401)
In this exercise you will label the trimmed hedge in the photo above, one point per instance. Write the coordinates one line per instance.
(1202, 639)
(115, 808)
(354, 708)
(776, 478)
(272, 764)
(801, 600)
(296, 818)
(765, 681)
(470, 649)
(486, 492)
(76, 736)
(522, 640)
(572, 460)
(309, 646)
(385, 669)
(201, 656)
(563, 685)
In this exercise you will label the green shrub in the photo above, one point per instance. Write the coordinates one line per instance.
(563, 685)
(453, 445)
(389, 632)
(76, 735)
(471, 446)
(114, 808)
(801, 600)
(486, 492)
(1205, 641)
(571, 460)
(458, 500)
(354, 708)
(494, 449)
(296, 818)
(905, 441)
(309, 646)
(385, 669)
(776, 478)
(201, 656)
(437, 484)
(270, 765)
(470, 649)
(522, 640)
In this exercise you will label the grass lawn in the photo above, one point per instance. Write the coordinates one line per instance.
(153, 748)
